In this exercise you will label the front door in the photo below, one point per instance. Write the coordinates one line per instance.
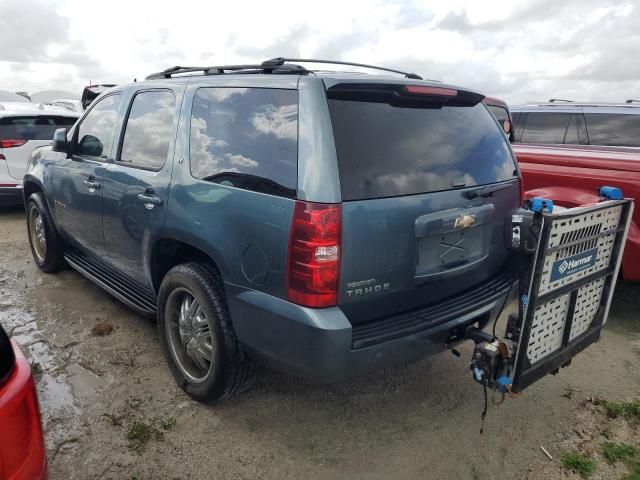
(78, 178)
(136, 185)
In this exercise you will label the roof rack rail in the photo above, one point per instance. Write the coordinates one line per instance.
(552, 100)
(264, 67)
(281, 60)
(274, 65)
(632, 100)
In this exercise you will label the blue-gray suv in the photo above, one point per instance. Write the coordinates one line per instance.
(324, 223)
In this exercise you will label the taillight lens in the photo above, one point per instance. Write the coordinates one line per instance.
(11, 142)
(22, 452)
(314, 254)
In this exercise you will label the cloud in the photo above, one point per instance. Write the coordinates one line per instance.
(520, 51)
(281, 122)
(240, 160)
(28, 28)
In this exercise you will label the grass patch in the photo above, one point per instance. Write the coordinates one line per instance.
(579, 463)
(102, 329)
(623, 452)
(139, 433)
(615, 452)
(627, 410)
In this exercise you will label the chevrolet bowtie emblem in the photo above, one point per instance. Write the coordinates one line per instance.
(464, 221)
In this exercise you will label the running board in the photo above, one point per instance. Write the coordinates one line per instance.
(124, 289)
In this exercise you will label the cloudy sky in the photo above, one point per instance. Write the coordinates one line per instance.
(519, 50)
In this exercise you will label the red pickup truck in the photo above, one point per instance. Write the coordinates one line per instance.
(571, 176)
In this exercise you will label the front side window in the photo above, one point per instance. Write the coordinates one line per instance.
(95, 133)
(545, 127)
(33, 127)
(149, 129)
(246, 138)
(621, 130)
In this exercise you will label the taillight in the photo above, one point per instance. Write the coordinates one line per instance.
(11, 142)
(314, 254)
(22, 452)
(521, 192)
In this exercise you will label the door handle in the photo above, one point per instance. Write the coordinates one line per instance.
(91, 185)
(150, 200)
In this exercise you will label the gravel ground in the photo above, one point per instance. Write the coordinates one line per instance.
(111, 409)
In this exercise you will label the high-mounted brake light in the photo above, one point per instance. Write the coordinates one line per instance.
(425, 90)
(314, 254)
(11, 142)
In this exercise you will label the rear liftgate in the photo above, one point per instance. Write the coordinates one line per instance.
(568, 262)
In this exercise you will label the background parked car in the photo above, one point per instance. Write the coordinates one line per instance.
(22, 451)
(91, 92)
(501, 111)
(69, 104)
(571, 176)
(23, 127)
(576, 123)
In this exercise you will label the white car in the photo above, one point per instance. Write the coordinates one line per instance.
(68, 103)
(23, 127)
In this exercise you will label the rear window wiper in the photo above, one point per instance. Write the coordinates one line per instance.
(484, 191)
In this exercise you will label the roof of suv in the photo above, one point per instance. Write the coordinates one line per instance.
(629, 106)
(12, 109)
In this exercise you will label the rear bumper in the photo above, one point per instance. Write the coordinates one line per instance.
(318, 344)
(10, 195)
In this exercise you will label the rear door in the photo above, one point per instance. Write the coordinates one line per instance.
(426, 184)
(21, 134)
(136, 185)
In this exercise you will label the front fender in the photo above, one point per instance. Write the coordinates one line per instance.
(39, 176)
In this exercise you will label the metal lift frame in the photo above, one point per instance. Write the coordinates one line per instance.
(554, 302)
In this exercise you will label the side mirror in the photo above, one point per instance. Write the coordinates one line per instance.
(60, 143)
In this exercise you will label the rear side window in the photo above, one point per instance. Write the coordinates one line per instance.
(149, 129)
(613, 129)
(33, 128)
(545, 127)
(96, 131)
(386, 150)
(246, 138)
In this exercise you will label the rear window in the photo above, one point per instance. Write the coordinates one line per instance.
(33, 128)
(386, 150)
(613, 129)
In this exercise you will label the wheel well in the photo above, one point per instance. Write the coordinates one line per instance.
(167, 253)
(29, 189)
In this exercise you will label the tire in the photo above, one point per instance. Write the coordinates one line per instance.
(185, 343)
(46, 244)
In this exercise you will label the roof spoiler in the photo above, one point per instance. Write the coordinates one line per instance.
(417, 96)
